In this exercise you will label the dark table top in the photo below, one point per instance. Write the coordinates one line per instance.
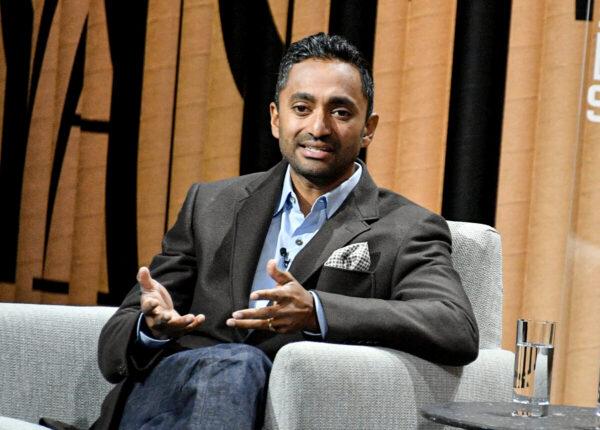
(497, 416)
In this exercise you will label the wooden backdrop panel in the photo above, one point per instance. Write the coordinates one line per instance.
(221, 147)
(38, 166)
(582, 352)
(518, 140)
(540, 190)
(156, 124)
(88, 275)
(310, 17)
(412, 72)
(191, 123)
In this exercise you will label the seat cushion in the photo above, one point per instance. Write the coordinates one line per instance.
(13, 424)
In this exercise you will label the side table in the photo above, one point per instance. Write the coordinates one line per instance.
(497, 416)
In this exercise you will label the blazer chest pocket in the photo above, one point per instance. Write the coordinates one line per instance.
(346, 282)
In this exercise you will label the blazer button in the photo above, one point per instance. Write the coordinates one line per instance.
(123, 370)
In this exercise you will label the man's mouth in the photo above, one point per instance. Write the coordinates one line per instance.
(315, 151)
(316, 148)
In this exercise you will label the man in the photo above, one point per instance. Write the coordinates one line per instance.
(311, 249)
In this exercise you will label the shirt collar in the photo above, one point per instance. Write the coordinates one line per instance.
(333, 199)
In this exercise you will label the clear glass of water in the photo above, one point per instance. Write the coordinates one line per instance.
(533, 367)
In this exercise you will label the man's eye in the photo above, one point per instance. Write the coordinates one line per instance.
(342, 113)
(300, 109)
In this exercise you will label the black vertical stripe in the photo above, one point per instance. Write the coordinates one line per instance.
(67, 120)
(254, 50)
(356, 21)
(127, 36)
(584, 10)
(476, 108)
(290, 23)
(17, 30)
(174, 116)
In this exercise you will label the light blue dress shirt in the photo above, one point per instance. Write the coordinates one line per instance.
(288, 234)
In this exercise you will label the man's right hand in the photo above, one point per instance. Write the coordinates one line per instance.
(157, 306)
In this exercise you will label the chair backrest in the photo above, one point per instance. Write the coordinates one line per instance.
(477, 256)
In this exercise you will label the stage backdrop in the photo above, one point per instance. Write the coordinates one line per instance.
(489, 113)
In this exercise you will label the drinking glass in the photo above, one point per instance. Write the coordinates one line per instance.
(533, 367)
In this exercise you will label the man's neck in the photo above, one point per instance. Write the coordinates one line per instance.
(308, 192)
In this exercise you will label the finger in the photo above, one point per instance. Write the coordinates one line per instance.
(278, 276)
(192, 321)
(256, 324)
(145, 279)
(174, 323)
(196, 322)
(257, 313)
(274, 294)
(156, 319)
(149, 306)
(177, 326)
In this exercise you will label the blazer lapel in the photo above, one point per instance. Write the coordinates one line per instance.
(252, 220)
(348, 222)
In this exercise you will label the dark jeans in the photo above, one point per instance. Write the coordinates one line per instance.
(218, 387)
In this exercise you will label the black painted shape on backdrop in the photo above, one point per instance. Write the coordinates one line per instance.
(254, 50)
(126, 22)
(17, 32)
(584, 10)
(50, 286)
(356, 21)
(91, 125)
(476, 111)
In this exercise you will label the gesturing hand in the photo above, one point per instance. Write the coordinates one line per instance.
(157, 306)
(292, 307)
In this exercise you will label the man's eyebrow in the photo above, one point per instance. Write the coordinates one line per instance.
(334, 100)
(342, 101)
(303, 96)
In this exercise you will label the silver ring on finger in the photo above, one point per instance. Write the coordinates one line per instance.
(271, 328)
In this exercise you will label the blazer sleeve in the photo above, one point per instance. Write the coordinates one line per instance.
(427, 314)
(175, 268)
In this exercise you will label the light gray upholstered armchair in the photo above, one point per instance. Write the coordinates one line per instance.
(48, 363)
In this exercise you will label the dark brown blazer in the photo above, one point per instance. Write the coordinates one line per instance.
(411, 299)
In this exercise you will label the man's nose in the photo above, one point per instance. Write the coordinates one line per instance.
(320, 124)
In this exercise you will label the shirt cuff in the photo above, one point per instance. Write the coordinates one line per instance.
(320, 317)
(145, 339)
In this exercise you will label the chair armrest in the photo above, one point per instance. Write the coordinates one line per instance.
(48, 364)
(319, 385)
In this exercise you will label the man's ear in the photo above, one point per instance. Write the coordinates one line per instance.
(274, 120)
(369, 129)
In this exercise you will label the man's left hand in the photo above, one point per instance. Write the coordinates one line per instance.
(292, 308)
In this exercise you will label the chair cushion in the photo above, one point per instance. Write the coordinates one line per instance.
(13, 424)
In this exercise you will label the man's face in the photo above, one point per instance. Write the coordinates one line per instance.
(320, 122)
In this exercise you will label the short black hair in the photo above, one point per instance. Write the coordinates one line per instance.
(326, 47)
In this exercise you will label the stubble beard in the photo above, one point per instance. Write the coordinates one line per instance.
(320, 177)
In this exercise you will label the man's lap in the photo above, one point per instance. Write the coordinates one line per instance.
(215, 387)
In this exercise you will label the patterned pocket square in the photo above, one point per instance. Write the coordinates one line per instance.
(352, 257)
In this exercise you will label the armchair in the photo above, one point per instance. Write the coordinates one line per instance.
(319, 385)
(48, 363)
